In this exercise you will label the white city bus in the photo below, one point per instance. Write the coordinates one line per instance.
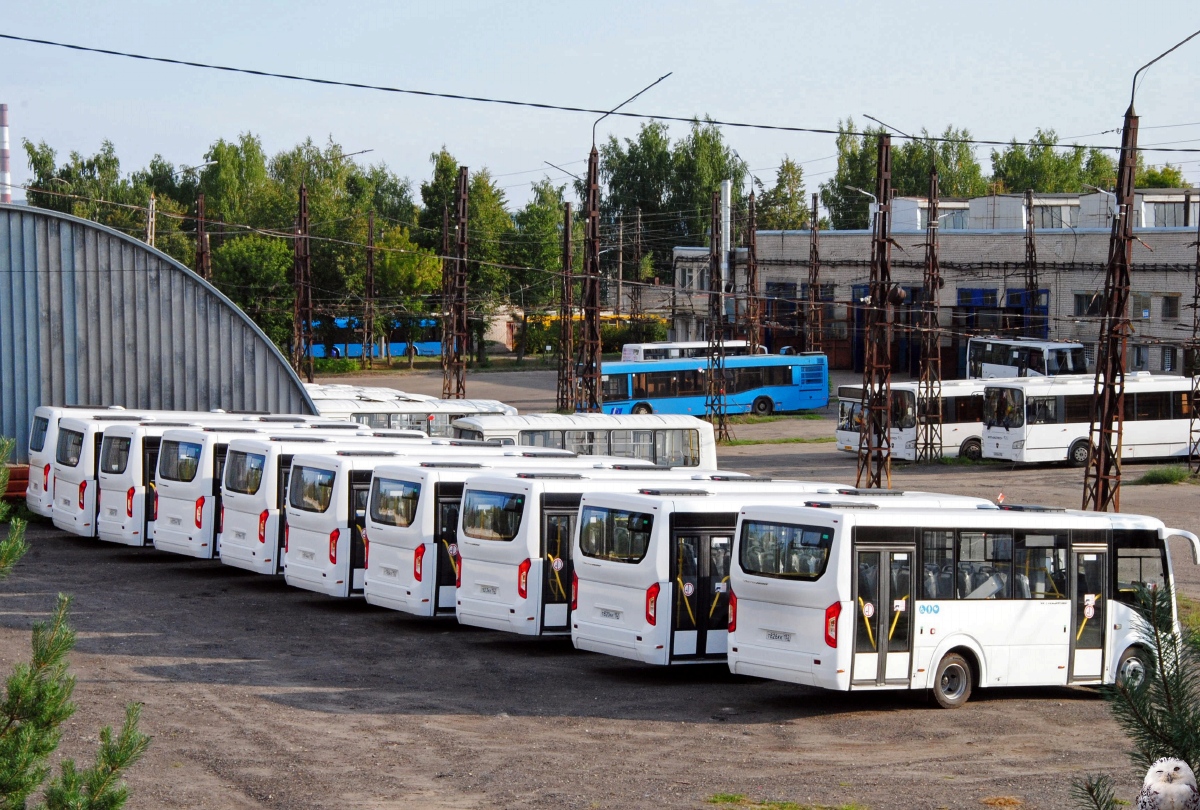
(652, 570)
(962, 418)
(671, 350)
(945, 600)
(431, 416)
(665, 440)
(412, 522)
(43, 445)
(1023, 357)
(1036, 420)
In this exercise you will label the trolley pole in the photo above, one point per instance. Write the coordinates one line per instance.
(565, 398)
(813, 328)
(714, 405)
(929, 397)
(591, 396)
(1033, 324)
(753, 302)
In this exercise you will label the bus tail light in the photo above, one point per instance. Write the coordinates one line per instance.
(286, 529)
(652, 604)
(523, 578)
(574, 590)
(262, 526)
(129, 503)
(46, 478)
(366, 551)
(831, 622)
(155, 515)
(82, 491)
(732, 611)
(456, 560)
(333, 538)
(418, 562)
(200, 512)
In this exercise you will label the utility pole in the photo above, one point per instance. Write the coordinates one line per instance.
(714, 404)
(302, 314)
(875, 445)
(1033, 324)
(636, 315)
(203, 257)
(455, 385)
(1194, 370)
(929, 395)
(814, 338)
(447, 304)
(753, 313)
(150, 214)
(369, 294)
(591, 396)
(620, 263)
(565, 399)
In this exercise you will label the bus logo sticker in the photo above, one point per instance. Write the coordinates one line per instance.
(688, 589)
(898, 605)
(934, 609)
(558, 564)
(868, 609)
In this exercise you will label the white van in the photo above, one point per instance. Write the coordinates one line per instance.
(43, 445)
(74, 482)
(652, 570)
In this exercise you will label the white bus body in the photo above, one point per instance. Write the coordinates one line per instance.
(43, 445)
(412, 524)
(989, 357)
(431, 416)
(667, 350)
(962, 418)
(1003, 597)
(664, 440)
(651, 571)
(1034, 420)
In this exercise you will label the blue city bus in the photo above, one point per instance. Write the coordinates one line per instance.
(760, 384)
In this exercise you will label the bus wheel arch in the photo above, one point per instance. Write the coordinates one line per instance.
(1133, 666)
(763, 406)
(972, 449)
(641, 408)
(1077, 456)
(955, 677)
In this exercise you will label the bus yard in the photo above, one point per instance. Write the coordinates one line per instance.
(258, 694)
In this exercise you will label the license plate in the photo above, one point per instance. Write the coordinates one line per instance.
(308, 555)
(390, 572)
(112, 512)
(490, 590)
(175, 521)
(66, 501)
(239, 535)
(772, 635)
(605, 613)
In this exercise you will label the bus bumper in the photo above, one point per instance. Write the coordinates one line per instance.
(177, 542)
(618, 643)
(782, 665)
(495, 616)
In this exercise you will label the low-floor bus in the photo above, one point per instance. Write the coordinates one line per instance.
(672, 350)
(43, 446)
(945, 600)
(431, 416)
(961, 412)
(1023, 357)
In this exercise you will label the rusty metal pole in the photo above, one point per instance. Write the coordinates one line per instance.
(1033, 324)
(753, 302)
(369, 295)
(875, 443)
(591, 395)
(929, 395)
(636, 315)
(458, 366)
(302, 330)
(714, 403)
(814, 337)
(620, 266)
(1194, 369)
(565, 399)
(447, 305)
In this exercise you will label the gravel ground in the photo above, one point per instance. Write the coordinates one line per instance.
(259, 695)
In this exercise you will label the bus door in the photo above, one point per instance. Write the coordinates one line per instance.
(445, 532)
(150, 446)
(700, 593)
(557, 530)
(360, 488)
(219, 453)
(883, 602)
(1089, 612)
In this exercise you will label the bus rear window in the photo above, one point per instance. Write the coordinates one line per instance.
(311, 489)
(614, 534)
(114, 454)
(785, 551)
(470, 434)
(394, 502)
(179, 461)
(37, 433)
(70, 445)
(244, 471)
(492, 515)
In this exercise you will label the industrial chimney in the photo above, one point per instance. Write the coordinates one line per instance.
(5, 174)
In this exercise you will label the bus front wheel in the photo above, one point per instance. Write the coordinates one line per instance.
(1132, 668)
(952, 686)
(972, 450)
(1078, 455)
(763, 406)
(641, 408)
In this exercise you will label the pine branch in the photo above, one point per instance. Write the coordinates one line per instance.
(99, 787)
(12, 547)
(1094, 792)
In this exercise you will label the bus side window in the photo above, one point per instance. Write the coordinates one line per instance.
(677, 448)
(1037, 361)
(937, 579)
(1040, 570)
(632, 444)
(1140, 562)
(639, 386)
(1077, 409)
(541, 438)
(1041, 410)
(984, 565)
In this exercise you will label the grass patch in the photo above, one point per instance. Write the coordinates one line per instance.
(1169, 474)
(738, 800)
(959, 461)
(1189, 612)
(790, 440)
(754, 419)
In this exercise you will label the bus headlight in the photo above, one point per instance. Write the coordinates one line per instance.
(1017, 445)
(911, 445)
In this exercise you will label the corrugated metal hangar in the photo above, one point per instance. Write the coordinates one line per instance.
(90, 316)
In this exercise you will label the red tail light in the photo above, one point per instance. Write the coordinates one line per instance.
(732, 611)
(285, 537)
(574, 590)
(457, 570)
(221, 521)
(200, 512)
(831, 622)
(82, 490)
(262, 526)
(366, 551)
(46, 477)
(333, 538)
(523, 579)
(129, 503)
(418, 562)
(155, 515)
(652, 604)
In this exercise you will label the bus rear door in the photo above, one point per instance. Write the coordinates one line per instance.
(700, 593)
(360, 489)
(558, 527)
(883, 624)
(449, 497)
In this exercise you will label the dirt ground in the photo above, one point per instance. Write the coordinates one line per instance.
(260, 695)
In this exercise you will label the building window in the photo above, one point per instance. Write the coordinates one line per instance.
(974, 297)
(1088, 305)
(1055, 216)
(1140, 307)
(1089, 354)
(954, 219)
(1170, 307)
(1168, 215)
(1168, 358)
(1139, 358)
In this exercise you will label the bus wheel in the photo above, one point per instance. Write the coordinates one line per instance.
(641, 408)
(1132, 668)
(972, 449)
(1078, 455)
(952, 686)
(763, 406)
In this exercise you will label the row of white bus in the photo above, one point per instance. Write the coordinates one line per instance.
(1031, 419)
(807, 582)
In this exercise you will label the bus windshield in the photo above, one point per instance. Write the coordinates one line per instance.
(1003, 407)
(311, 489)
(615, 534)
(70, 445)
(244, 471)
(114, 454)
(394, 502)
(784, 551)
(1066, 361)
(37, 435)
(179, 461)
(492, 515)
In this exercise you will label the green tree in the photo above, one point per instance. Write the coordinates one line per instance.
(1166, 176)
(534, 249)
(700, 161)
(783, 207)
(489, 282)
(857, 160)
(959, 173)
(256, 273)
(437, 197)
(1045, 167)
(237, 186)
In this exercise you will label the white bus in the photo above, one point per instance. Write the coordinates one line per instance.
(1023, 357)
(431, 416)
(962, 418)
(664, 440)
(1036, 420)
(671, 350)
(652, 570)
(944, 600)
(43, 446)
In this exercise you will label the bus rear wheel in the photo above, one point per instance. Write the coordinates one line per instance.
(1078, 454)
(641, 408)
(763, 406)
(972, 450)
(952, 685)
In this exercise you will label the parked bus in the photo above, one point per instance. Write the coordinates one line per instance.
(43, 446)
(944, 600)
(73, 484)
(673, 350)
(1023, 357)
(432, 416)
(760, 384)
(961, 411)
(413, 523)
(1035, 420)
(652, 569)
(666, 441)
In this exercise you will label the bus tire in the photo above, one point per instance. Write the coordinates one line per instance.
(1133, 668)
(972, 449)
(764, 406)
(952, 684)
(641, 408)
(1077, 456)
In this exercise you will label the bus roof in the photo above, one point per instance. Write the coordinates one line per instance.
(734, 361)
(1084, 383)
(1026, 341)
(567, 421)
(953, 518)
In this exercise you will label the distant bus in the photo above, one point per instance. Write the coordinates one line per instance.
(962, 418)
(431, 416)
(760, 384)
(666, 350)
(1023, 357)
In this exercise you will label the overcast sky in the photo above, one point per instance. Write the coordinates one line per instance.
(1000, 69)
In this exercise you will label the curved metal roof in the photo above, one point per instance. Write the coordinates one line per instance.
(91, 316)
